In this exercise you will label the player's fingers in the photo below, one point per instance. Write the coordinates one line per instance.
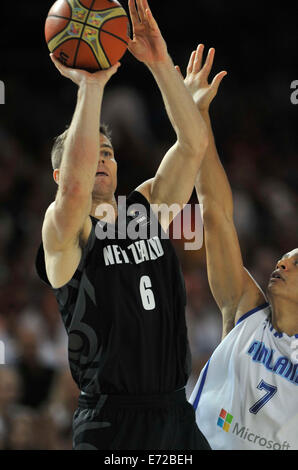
(141, 11)
(112, 70)
(179, 71)
(130, 43)
(108, 73)
(62, 69)
(198, 58)
(133, 12)
(53, 59)
(148, 17)
(209, 62)
(217, 79)
(151, 21)
(191, 62)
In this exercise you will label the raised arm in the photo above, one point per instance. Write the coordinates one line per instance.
(67, 223)
(233, 288)
(175, 177)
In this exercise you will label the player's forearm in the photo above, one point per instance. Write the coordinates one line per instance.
(81, 150)
(212, 185)
(185, 118)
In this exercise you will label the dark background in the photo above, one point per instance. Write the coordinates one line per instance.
(255, 127)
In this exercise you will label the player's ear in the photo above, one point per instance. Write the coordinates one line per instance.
(56, 175)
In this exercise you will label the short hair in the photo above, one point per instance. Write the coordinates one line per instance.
(59, 141)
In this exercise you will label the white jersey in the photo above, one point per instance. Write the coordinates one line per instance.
(247, 394)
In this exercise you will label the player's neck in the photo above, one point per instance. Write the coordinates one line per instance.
(285, 316)
(104, 207)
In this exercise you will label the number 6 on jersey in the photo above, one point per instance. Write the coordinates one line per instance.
(146, 292)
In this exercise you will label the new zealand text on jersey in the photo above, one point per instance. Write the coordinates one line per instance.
(137, 252)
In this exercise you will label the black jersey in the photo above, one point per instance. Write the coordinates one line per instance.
(124, 312)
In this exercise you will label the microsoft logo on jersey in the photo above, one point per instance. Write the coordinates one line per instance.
(224, 420)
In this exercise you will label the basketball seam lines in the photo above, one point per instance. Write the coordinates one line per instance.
(91, 26)
(114, 35)
(73, 64)
(100, 9)
(80, 38)
(84, 26)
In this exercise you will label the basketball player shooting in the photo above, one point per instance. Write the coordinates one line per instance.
(123, 301)
(245, 397)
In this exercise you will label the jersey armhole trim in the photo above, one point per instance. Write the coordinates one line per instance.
(202, 383)
(251, 312)
(135, 194)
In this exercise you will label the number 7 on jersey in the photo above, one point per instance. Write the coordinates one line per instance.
(270, 391)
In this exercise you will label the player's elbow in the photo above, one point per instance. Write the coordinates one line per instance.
(202, 144)
(194, 147)
(197, 140)
(216, 213)
(73, 192)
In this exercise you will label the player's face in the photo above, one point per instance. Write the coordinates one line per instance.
(284, 279)
(105, 182)
(105, 178)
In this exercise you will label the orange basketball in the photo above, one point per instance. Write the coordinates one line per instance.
(87, 34)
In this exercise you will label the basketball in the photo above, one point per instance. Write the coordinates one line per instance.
(87, 34)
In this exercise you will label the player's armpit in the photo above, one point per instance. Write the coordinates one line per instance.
(165, 211)
(145, 189)
(61, 265)
(175, 178)
(173, 184)
(66, 218)
(252, 297)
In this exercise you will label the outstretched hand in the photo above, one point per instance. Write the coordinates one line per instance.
(196, 79)
(79, 76)
(147, 44)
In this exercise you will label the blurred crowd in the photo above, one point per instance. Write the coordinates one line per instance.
(256, 142)
(37, 393)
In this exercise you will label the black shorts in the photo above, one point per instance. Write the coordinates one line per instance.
(118, 422)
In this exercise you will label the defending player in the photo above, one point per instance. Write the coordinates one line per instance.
(246, 395)
(122, 300)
